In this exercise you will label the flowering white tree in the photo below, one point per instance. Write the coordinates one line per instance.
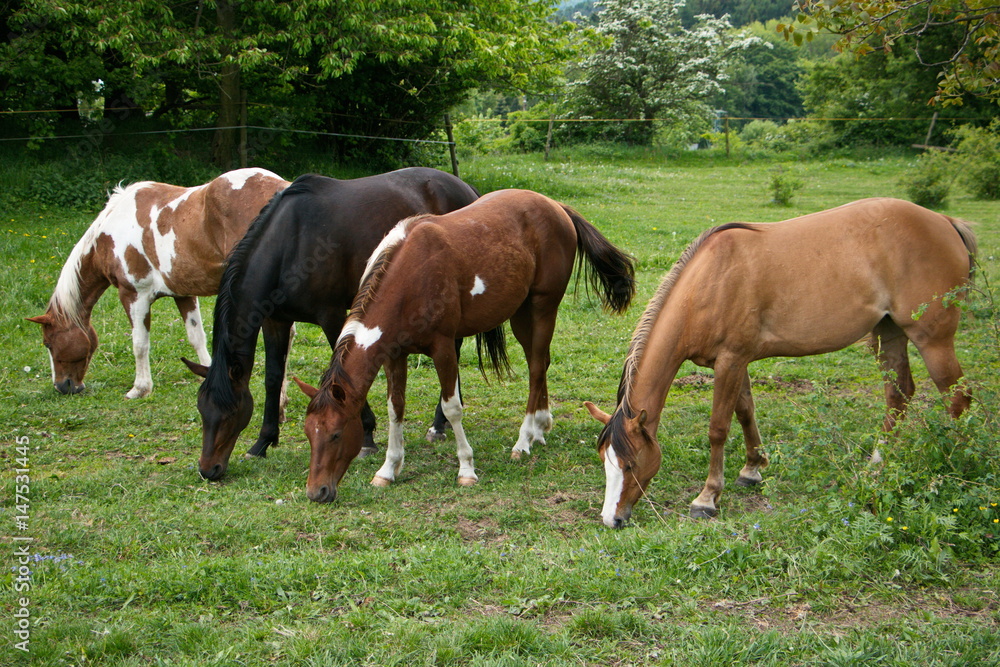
(654, 69)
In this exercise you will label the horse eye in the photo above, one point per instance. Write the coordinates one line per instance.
(335, 437)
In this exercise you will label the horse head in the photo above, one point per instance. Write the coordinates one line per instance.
(224, 415)
(631, 458)
(336, 436)
(71, 346)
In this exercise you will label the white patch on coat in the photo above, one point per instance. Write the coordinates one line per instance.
(613, 489)
(239, 177)
(363, 336)
(394, 236)
(478, 287)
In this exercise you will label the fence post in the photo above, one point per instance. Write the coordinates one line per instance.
(548, 138)
(727, 136)
(451, 144)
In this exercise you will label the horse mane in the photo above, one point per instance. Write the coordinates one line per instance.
(66, 301)
(371, 279)
(615, 428)
(225, 363)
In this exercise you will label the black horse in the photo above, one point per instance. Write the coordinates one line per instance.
(301, 261)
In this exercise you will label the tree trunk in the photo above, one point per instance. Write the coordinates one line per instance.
(226, 133)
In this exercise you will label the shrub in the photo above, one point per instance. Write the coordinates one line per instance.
(979, 159)
(783, 187)
(929, 183)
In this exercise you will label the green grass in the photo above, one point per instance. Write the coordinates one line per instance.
(138, 561)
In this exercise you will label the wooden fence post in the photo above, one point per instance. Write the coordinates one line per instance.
(548, 138)
(451, 144)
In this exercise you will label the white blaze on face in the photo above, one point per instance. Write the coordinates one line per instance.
(363, 336)
(52, 364)
(613, 489)
(478, 287)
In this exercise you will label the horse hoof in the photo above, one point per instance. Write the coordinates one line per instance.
(434, 435)
(367, 451)
(137, 393)
(747, 481)
(703, 512)
(515, 455)
(467, 481)
(381, 481)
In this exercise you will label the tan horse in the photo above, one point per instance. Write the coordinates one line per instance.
(435, 279)
(151, 240)
(809, 285)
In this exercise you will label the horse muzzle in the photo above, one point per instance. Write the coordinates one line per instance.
(214, 473)
(69, 387)
(322, 494)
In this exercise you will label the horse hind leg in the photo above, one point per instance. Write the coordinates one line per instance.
(946, 372)
(436, 432)
(534, 333)
(191, 315)
(889, 343)
(756, 458)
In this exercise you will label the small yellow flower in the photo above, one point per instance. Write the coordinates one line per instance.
(889, 519)
(955, 510)
(904, 527)
(981, 507)
(996, 520)
(993, 504)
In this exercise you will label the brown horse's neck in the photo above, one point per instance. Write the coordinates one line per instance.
(655, 371)
(78, 291)
(358, 368)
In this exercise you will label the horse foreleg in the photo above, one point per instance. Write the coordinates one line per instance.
(446, 364)
(283, 400)
(137, 306)
(756, 459)
(436, 432)
(191, 315)
(395, 374)
(276, 340)
(728, 385)
(534, 333)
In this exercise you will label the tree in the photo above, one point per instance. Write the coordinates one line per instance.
(428, 51)
(654, 68)
(968, 65)
(763, 83)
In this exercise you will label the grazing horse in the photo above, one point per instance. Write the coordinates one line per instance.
(809, 285)
(301, 261)
(151, 240)
(509, 256)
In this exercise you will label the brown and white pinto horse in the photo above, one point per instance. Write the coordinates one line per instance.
(434, 279)
(151, 240)
(809, 285)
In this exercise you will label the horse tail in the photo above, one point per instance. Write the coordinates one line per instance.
(610, 271)
(964, 230)
(494, 342)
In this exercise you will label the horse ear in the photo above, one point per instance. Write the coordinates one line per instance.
(197, 369)
(308, 390)
(338, 392)
(41, 319)
(597, 413)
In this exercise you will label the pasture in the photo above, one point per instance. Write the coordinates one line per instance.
(136, 560)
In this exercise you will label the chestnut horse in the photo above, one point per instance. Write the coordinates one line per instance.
(151, 240)
(809, 285)
(301, 261)
(508, 256)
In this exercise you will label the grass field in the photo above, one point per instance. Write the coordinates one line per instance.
(135, 560)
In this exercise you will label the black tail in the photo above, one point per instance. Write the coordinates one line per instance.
(609, 270)
(495, 342)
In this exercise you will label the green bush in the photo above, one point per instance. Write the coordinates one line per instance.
(783, 186)
(978, 154)
(929, 183)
